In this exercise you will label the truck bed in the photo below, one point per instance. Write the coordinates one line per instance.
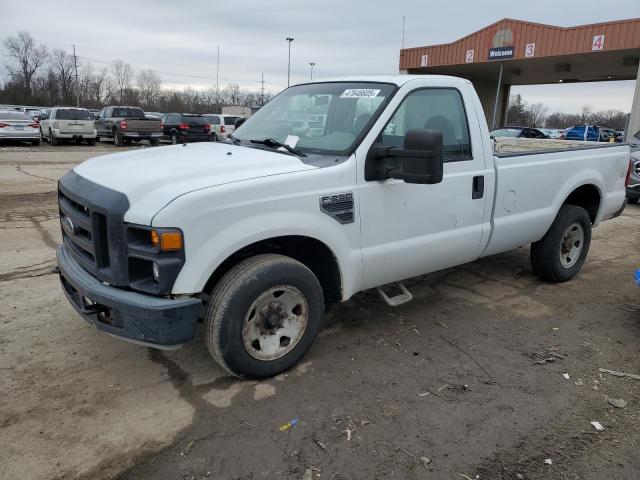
(531, 186)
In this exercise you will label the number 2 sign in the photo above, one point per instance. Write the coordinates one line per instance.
(469, 56)
(598, 42)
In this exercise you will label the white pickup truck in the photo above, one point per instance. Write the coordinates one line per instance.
(257, 236)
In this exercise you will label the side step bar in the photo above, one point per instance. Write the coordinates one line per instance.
(397, 300)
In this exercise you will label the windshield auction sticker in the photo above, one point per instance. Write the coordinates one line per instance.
(360, 93)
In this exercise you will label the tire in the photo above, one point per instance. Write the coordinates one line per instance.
(174, 138)
(560, 254)
(97, 139)
(53, 140)
(117, 139)
(91, 142)
(244, 306)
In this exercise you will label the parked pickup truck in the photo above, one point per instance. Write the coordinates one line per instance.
(259, 235)
(126, 124)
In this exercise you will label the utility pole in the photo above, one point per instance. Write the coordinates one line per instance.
(404, 19)
(289, 39)
(312, 64)
(75, 65)
(218, 79)
(262, 91)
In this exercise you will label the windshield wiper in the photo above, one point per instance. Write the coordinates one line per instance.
(234, 139)
(270, 142)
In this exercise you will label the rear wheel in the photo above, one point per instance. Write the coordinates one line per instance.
(560, 254)
(263, 316)
(53, 140)
(174, 138)
(118, 139)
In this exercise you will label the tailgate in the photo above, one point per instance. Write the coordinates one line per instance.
(147, 125)
(76, 125)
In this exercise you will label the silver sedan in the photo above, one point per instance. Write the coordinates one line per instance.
(18, 126)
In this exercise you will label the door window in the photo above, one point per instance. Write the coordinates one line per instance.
(433, 109)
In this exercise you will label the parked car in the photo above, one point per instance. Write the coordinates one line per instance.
(518, 132)
(183, 127)
(221, 125)
(553, 133)
(67, 123)
(19, 126)
(259, 235)
(94, 113)
(594, 133)
(633, 185)
(154, 114)
(128, 124)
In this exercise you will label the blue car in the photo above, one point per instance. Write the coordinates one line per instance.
(637, 276)
(595, 133)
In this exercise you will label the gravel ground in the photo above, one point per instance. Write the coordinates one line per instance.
(468, 379)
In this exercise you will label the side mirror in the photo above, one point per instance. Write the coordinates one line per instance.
(240, 121)
(419, 161)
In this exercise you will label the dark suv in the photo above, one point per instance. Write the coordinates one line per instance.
(183, 127)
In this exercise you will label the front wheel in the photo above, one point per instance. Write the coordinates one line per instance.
(560, 254)
(263, 316)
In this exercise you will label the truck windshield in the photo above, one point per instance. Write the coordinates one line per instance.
(321, 118)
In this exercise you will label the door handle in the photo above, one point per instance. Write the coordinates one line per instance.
(477, 190)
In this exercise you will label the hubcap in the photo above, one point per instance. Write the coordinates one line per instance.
(275, 322)
(571, 246)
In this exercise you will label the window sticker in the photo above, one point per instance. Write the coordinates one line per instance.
(360, 93)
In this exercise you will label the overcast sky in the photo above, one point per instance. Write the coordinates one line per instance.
(179, 39)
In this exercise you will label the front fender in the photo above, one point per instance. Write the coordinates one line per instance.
(205, 256)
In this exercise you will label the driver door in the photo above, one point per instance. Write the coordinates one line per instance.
(411, 229)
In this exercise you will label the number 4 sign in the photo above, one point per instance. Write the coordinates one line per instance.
(598, 42)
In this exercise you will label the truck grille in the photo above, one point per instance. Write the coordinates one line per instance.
(636, 168)
(84, 231)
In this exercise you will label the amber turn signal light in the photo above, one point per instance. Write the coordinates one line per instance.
(167, 241)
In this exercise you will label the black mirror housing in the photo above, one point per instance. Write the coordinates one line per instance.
(239, 122)
(419, 161)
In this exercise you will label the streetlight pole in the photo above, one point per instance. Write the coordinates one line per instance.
(312, 64)
(289, 39)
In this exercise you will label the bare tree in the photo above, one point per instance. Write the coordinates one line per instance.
(232, 94)
(62, 67)
(149, 85)
(122, 73)
(536, 114)
(28, 56)
(586, 112)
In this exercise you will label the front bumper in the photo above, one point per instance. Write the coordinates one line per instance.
(154, 321)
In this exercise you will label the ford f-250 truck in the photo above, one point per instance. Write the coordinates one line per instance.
(257, 236)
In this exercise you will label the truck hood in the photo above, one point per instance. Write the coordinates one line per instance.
(153, 177)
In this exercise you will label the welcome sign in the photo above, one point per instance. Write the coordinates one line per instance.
(499, 53)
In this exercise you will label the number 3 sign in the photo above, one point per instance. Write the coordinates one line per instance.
(530, 50)
(598, 42)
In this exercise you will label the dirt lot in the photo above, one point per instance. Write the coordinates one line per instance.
(470, 375)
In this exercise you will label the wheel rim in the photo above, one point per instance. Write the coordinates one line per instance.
(174, 139)
(571, 245)
(275, 322)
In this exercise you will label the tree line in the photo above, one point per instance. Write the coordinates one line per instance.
(521, 113)
(39, 76)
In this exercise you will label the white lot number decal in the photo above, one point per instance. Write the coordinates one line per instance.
(530, 50)
(598, 42)
(360, 93)
(469, 57)
(424, 60)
